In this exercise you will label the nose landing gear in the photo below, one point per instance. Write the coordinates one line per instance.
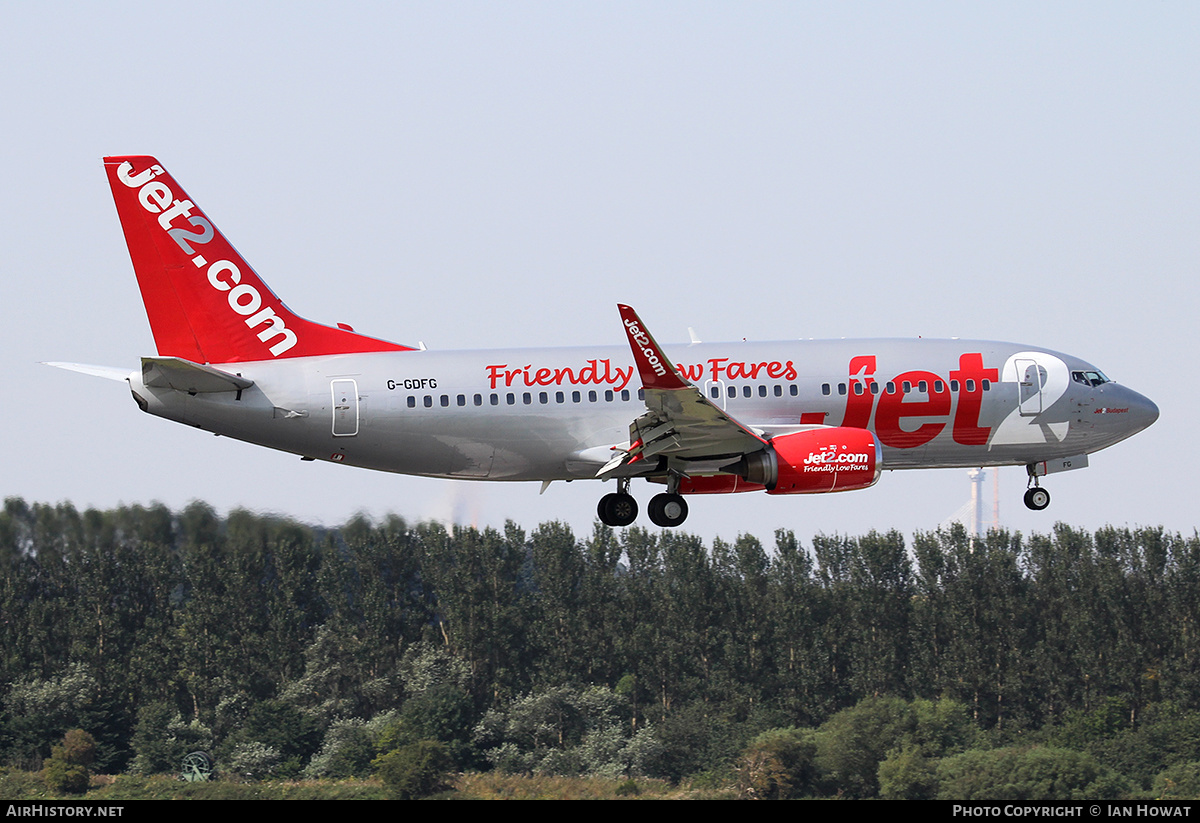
(1036, 497)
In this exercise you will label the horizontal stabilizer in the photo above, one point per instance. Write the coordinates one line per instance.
(107, 372)
(184, 375)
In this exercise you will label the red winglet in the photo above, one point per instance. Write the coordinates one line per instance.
(655, 368)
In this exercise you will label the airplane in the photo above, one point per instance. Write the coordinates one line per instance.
(794, 417)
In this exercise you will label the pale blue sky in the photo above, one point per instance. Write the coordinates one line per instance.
(497, 174)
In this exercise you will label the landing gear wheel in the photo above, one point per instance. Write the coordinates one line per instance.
(668, 510)
(617, 509)
(1037, 498)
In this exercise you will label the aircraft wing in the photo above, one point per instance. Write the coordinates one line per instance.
(679, 422)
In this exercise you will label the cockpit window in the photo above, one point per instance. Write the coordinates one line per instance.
(1089, 378)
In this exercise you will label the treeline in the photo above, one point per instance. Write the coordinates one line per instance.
(288, 648)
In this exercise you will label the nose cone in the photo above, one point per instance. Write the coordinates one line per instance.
(1118, 413)
(1142, 410)
(1124, 411)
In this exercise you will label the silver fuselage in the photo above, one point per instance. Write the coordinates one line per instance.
(553, 414)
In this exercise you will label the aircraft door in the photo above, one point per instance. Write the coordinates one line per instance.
(1032, 378)
(345, 407)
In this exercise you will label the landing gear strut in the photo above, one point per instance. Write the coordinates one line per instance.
(618, 508)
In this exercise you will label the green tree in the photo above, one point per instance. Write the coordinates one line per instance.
(1040, 773)
(778, 765)
(416, 770)
(852, 744)
(69, 767)
(476, 580)
(281, 728)
(444, 713)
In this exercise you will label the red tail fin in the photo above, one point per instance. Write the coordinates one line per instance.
(204, 301)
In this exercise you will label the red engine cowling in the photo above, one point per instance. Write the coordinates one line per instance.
(816, 461)
(717, 484)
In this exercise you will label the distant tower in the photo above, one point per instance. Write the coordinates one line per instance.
(977, 477)
(996, 498)
(970, 514)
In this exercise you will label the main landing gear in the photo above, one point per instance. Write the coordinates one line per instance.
(620, 509)
(668, 510)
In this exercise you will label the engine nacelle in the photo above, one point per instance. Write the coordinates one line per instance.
(717, 484)
(815, 461)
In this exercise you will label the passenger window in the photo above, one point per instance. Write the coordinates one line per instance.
(445, 400)
(412, 402)
(543, 398)
(527, 398)
(479, 400)
(511, 399)
(495, 398)
(608, 396)
(429, 401)
(462, 400)
(576, 397)
(624, 394)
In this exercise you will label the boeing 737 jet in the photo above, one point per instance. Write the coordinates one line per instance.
(795, 417)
